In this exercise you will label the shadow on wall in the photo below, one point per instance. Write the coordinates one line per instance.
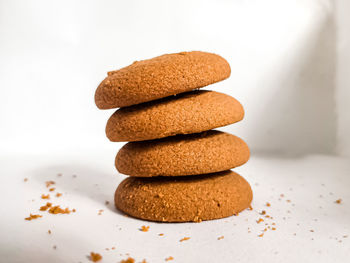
(300, 113)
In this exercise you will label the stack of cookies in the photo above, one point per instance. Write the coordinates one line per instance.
(179, 169)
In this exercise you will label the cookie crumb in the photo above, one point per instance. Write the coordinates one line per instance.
(268, 204)
(58, 210)
(52, 189)
(25, 179)
(95, 257)
(274, 228)
(49, 183)
(184, 239)
(169, 258)
(338, 201)
(161, 234)
(45, 196)
(144, 228)
(59, 174)
(100, 212)
(128, 260)
(107, 203)
(49, 231)
(58, 194)
(113, 248)
(54, 247)
(45, 207)
(31, 217)
(74, 176)
(263, 212)
(261, 235)
(222, 237)
(259, 221)
(250, 208)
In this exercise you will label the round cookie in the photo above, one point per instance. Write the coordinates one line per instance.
(185, 113)
(160, 77)
(193, 154)
(183, 199)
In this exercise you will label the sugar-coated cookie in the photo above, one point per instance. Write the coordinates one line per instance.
(183, 199)
(201, 153)
(160, 77)
(190, 112)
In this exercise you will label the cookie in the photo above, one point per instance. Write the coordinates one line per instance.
(186, 113)
(201, 153)
(160, 77)
(183, 199)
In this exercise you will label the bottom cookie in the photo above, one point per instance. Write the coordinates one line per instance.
(183, 199)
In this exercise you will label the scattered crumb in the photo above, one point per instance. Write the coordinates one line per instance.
(222, 237)
(169, 258)
(59, 174)
(288, 201)
(58, 210)
(184, 239)
(74, 176)
(144, 228)
(100, 212)
(128, 260)
(144, 261)
(58, 194)
(107, 248)
(268, 204)
(54, 247)
(107, 203)
(113, 248)
(45, 196)
(281, 195)
(73, 210)
(49, 231)
(261, 235)
(250, 208)
(259, 221)
(45, 207)
(25, 179)
(274, 228)
(52, 189)
(31, 217)
(338, 201)
(95, 257)
(263, 212)
(49, 183)
(312, 230)
(161, 234)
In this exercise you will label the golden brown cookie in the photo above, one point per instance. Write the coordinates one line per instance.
(185, 113)
(160, 77)
(183, 199)
(206, 152)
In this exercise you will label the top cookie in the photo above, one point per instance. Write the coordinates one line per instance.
(160, 77)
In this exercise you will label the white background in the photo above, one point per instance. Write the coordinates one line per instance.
(290, 65)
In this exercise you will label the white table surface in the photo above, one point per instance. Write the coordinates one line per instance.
(311, 183)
